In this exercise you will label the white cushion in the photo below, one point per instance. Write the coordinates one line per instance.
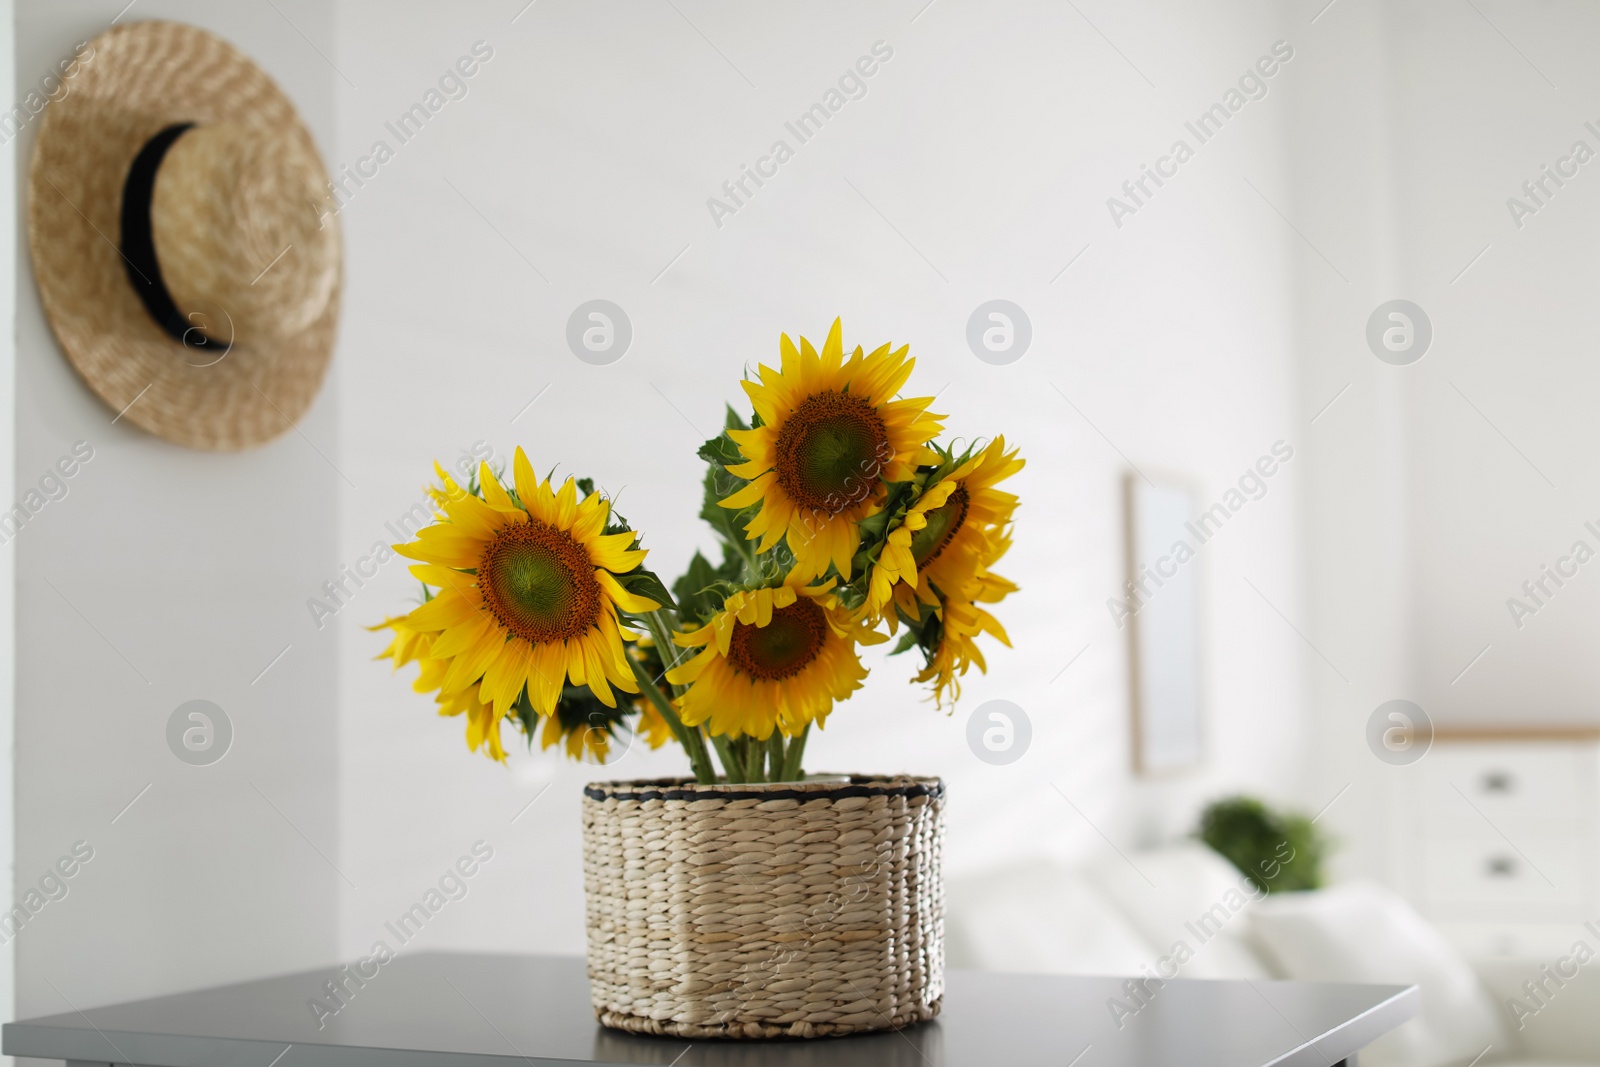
(1361, 932)
(1185, 894)
(1038, 919)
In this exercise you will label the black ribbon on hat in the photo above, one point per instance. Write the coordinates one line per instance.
(139, 246)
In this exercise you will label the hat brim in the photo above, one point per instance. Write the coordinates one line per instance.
(140, 79)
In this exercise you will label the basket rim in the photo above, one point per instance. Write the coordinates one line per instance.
(857, 785)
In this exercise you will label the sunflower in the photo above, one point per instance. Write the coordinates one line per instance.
(954, 530)
(830, 435)
(483, 725)
(585, 728)
(589, 735)
(581, 726)
(955, 645)
(408, 645)
(528, 599)
(770, 659)
(986, 586)
(651, 726)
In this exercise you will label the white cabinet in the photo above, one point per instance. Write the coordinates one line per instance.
(1504, 853)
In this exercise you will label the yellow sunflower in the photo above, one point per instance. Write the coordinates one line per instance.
(407, 646)
(483, 725)
(528, 598)
(962, 620)
(986, 586)
(831, 435)
(583, 729)
(584, 741)
(953, 531)
(651, 726)
(593, 740)
(771, 659)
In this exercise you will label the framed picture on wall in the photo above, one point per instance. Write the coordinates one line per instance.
(1163, 624)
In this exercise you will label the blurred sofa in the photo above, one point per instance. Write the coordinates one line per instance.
(1184, 911)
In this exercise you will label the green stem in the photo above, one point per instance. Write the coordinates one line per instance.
(689, 737)
(661, 627)
(752, 571)
(730, 763)
(775, 757)
(796, 753)
(661, 624)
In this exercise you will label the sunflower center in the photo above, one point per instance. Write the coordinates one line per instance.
(830, 451)
(782, 648)
(944, 522)
(539, 583)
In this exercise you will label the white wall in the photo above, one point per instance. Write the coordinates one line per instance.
(9, 230)
(1222, 317)
(1516, 339)
(1438, 488)
(585, 152)
(166, 575)
(590, 143)
(1357, 546)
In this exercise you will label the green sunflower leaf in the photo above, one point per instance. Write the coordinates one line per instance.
(526, 716)
(691, 587)
(907, 642)
(922, 632)
(616, 524)
(721, 450)
(728, 524)
(852, 596)
(703, 588)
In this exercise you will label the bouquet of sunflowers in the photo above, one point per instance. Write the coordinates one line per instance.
(840, 520)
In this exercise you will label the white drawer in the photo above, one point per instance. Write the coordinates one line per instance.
(1524, 789)
(1529, 943)
(1534, 872)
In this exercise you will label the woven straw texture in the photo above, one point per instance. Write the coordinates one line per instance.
(755, 911)
(138, 80)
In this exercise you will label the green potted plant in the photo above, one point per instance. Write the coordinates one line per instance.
(1279, 851)
(747, 899)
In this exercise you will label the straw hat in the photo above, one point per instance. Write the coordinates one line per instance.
(180, 251)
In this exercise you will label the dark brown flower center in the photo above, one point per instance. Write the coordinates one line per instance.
(830, 452)
(539, 583)
(782, 648)
(944, 522)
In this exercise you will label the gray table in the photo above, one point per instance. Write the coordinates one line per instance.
(475, 1010)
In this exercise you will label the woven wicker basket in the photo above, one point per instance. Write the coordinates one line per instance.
(750, 911)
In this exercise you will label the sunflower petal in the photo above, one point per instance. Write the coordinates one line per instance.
(505, 677)
(593, 511)
(444, 544)
(445, 610)
(621, 597)
(470, 665)
(493, 492)
(566, 505)
(750, 494)
(614, 552)
(595, 670)
(546, 676)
